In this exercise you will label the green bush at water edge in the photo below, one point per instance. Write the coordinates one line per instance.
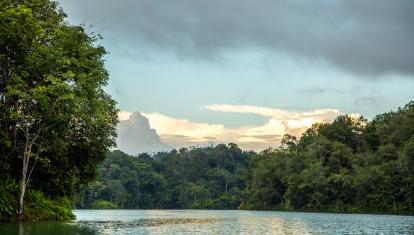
(38, 207)
(102, 204)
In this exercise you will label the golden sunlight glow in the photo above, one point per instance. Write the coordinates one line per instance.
(183, 132)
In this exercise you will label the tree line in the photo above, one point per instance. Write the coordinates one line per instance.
(210, 177)
(349, 165)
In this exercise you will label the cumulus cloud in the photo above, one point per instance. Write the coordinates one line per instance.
(178, 132)
(182, 132)
(272, 112)
(136, 136)
(174, 130)
(368, 37)
(286, 122)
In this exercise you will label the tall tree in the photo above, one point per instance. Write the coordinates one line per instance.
(52, 104)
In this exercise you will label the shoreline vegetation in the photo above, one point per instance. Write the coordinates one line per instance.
(38, 207)
(348, 166)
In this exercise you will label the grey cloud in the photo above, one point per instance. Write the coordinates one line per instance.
(136, 136)
(366, 100)
(369, 104)
(370, 37)
(315, 91)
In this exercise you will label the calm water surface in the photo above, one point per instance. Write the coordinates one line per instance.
(216, 222)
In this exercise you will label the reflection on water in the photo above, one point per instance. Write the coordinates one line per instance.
(44, 228)
(240, 222)
(263, 225)
(216, 222)
(140, 225)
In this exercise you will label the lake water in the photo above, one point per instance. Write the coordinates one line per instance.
(216, 222)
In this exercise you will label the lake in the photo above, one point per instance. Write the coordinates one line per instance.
(216, 222)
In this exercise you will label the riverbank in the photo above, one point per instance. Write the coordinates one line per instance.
(38, 207)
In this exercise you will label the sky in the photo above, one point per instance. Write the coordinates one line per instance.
(197, 73)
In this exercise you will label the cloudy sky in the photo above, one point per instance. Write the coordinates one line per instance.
(203, 72)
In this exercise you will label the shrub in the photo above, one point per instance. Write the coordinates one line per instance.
(39, 207)
(102, 204)
(8, 200)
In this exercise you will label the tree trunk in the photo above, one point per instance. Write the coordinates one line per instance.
(395, 208)
(410, 200)
(23, 181)
(27, 153)
(25, 167)
(280, 197)
(21, 200)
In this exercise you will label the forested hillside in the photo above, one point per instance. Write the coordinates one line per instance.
(211, 177)
(349, 165)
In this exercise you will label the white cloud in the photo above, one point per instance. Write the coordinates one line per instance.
(168, 126)
(280, 121)
(123, 115)
(182, 132)
(279, 114)
(136, 136)
(174, 130)
(262, 111)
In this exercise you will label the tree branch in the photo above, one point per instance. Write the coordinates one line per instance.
(34, 164)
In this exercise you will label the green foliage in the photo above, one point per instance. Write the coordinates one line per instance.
(8, 200)
(102, 204)
(53, 108)
(199, 178)
(265, 181)
(350, 165)
(38, 206)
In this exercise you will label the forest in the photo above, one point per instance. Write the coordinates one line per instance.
(349, 165)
